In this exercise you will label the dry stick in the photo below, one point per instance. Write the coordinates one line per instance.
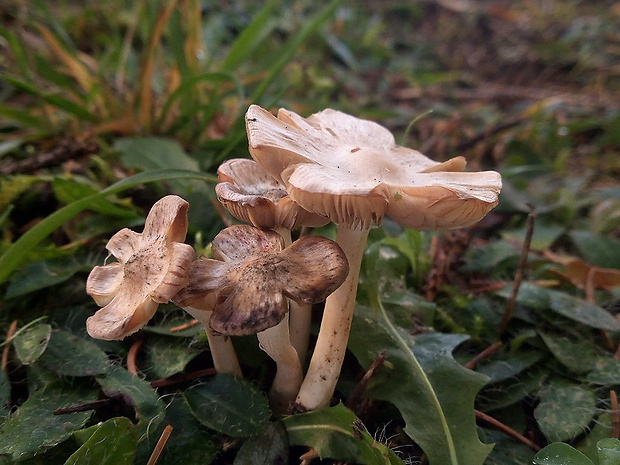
(531, 218)
(182, 378)
(615, 421)
(5, 352)
(84, 407)
(131, 356)
(507, 430)
(483, 355)
(356, 396)
(159, 447)
(188, 325)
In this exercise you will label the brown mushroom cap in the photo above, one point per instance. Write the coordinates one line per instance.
(252, 196)
(352, 171)
(247, 291)
(151, 268)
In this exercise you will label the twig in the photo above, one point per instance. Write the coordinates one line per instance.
(184, 326)
(506, 430)
(308, 457)
(483, 355)
(615, 421)
(182, 378)
(360, 389)
(66, 150)
(131, 356)
(5, 352)
(159, 447)
(531, 219)
(84, 407)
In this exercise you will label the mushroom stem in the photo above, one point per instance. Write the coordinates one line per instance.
(320, 381)
(300, 315)
(275, 341)
(222, 350)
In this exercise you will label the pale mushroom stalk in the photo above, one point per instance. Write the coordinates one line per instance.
(300, 315)
(252, 195)
(276, 343)
(221, 347)
(324, 370)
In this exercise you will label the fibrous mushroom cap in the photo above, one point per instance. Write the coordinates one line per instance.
(252, 196)
(151, 268)
(246, 287)
(352, 171)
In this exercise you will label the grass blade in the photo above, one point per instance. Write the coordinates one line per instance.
(250, 38)
(12, 257)
(287, 52)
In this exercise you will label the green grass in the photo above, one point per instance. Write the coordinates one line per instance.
(159, 89)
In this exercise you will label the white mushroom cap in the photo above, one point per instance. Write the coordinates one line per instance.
(151, 268)
(246, 286)
(252, 196)
(352, 171)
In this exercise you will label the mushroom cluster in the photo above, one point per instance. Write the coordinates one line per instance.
(305, 172)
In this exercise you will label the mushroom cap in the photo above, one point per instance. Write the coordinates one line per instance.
(352, 171)
(247, 285)
(151, 268)
(252, 196)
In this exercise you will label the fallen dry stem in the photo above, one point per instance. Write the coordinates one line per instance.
(159, 447)
(506, 430)
(132, 367)
(356, 396)
(531, 219)
(176, 329)
(486, 353)
(183, 378)
(615, 420)
(5, 352)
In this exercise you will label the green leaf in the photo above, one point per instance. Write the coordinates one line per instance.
(166, 356)
(421, 381)
(33, 428)
(576, 355)
(69, 191)
(30, 344)
(5, 392)
(559, 453)
(13, 256)
(229, 405)
(190, 443)
(575, 309)
(505, 366)
(605, 372)
(335, 432)
(151, 153)
(602, 429)
(70, 355)
(112, 443)
(46, 273)
(270, 447)
(597, 249)
(150, 409)
(564, 410)
(608, 451)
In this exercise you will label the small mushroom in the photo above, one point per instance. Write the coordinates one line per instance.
(152, 267)
(252, 196)
(351, 171)
(247, 285)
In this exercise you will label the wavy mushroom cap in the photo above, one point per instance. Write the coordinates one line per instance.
(246, 286)
(152, 267)
(252, 196)
(351, 171)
